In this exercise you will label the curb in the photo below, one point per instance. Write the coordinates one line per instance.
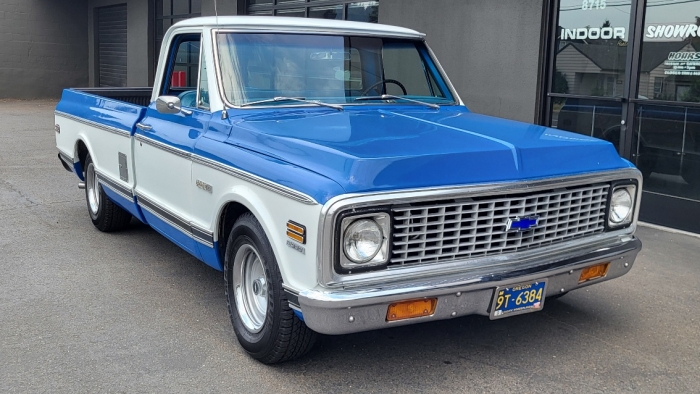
(668, 229)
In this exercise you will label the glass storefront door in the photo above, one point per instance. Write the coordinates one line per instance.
(629, 72)
(667, 113)
(590, 67)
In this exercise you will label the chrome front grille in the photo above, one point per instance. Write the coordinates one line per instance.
(442, 231)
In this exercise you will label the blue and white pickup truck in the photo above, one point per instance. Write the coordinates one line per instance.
(333, 174)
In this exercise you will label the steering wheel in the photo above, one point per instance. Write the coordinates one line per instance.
(384, 81)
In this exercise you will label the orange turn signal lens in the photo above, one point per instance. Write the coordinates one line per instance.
(593, 272)
(408, 309)
(296, 232)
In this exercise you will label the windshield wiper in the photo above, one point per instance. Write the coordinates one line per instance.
(297, 99)
(392, 97)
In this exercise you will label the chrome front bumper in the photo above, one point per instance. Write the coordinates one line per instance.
(343, 311)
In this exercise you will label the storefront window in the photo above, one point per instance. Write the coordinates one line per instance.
(667, 146)
(595, 118)
(590, 60)
(670, 67)
(644, 99)
(591, 47)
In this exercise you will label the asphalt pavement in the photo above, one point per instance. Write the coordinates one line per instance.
(84, 312)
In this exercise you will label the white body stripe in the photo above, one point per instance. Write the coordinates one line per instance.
(104, 146)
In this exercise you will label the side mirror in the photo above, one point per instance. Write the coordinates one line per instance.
(170, 105)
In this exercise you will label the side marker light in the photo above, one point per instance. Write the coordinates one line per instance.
(409, 309)
(594, 272)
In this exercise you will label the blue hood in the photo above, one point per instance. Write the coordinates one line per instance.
(374, 148)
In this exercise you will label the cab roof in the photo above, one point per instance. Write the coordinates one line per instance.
(307, 25)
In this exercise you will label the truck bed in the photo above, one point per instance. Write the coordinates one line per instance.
(138, 96)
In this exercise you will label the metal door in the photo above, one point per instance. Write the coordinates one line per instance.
(111, 46)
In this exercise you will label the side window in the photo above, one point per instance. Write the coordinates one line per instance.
(203, 94)
(184, 70)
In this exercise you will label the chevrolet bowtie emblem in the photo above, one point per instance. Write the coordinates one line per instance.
(522, 223)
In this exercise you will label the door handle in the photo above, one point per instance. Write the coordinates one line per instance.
(144, 127)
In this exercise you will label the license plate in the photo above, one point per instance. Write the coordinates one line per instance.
(518, 299)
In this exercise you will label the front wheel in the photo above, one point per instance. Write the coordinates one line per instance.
(265, 325)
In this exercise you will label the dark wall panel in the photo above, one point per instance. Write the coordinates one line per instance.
(490, 49)
(43, 47)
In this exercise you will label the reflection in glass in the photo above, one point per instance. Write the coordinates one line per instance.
(331, 12)
(591, 47)
(670, 68)
(363, 11)
(668, 149)
(334, 69)
(359, 11)
(595, 118)
(294, 12)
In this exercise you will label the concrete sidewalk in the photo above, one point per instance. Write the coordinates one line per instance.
(82, 311)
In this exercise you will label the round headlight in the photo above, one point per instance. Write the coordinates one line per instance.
(620, 206)
(362, 240)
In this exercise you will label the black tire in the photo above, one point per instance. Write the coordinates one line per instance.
(282, 336)
(108, 216)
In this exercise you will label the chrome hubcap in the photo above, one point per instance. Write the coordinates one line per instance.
(92, 187)
(250, 287)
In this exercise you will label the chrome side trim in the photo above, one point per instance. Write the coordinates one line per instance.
(201, 235)
(163, 214)
(123, 191)
(246, 176)
(162, 146)
(264, 183)
(113, 130)
(327, 224)
(292, 297)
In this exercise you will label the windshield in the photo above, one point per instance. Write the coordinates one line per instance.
(333, 69)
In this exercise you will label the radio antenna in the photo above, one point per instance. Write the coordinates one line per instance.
(216, 12)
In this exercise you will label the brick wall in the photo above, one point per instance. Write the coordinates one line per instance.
(43, 47)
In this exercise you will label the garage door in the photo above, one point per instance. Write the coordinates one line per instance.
(111, 45)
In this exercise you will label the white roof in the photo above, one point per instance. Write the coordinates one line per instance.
(286, 24)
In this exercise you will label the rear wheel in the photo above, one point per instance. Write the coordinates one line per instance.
(265, 325)
(105, 214)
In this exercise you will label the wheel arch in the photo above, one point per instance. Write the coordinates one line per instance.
(243, 199)
(81, 151)
(226, 217)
